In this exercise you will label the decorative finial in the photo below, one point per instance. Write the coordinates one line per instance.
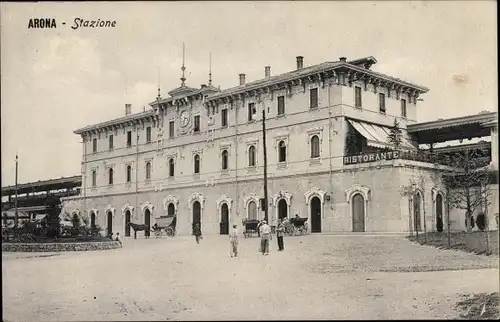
(210, 70)
(183, 68)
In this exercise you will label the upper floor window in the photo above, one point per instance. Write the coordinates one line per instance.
(129, 173)
(129, 138)
(381, 102)
(94, 178)
(313, 97)
(403, 107)
(357, 97)
(314, 146)
(171, 129)
(282, 151)
(110, 176)
(94, 145)
(196, 164)
(171, 165)
(225, 160)
(224, 120)
(196, 124)
(148, 170)
(148, 134)
(281, 105)
(251, 156)
(111, 143)
(251, 111)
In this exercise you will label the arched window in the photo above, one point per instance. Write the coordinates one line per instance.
(251, 156)
(196, 164)
(148, 170)
(110, 174)
(252, 210)
(224, 160)
(129, 173)
(171, 210)
(282, 151)
(94, 178)
(171, 169)
(315, 146)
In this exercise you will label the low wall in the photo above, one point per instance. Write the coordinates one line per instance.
(59, 247)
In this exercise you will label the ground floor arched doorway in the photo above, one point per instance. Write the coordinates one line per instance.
(110, 223)
(358, 213)
(315, 205)
(416, 212)
(92, 220)
(171, 210)
(147, 222)
(224, 219)
(127, 222)
(282, 209)
(439, 213)
(196, 213)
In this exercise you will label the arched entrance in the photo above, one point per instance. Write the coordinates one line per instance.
(171, 210)
(224, 219)
(147, 222)
(439, 212)
(315, 205)
(92, 220)
(358, 213)
(196, 213)
(282, 209)
(110, 223)
(127, 222)
(416, 212)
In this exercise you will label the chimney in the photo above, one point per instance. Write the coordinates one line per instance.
(268, 71)
(128, 109)
(343, 59)
(242, 79)
(300, 62)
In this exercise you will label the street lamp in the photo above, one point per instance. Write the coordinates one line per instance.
(254, 117)
(16, 216)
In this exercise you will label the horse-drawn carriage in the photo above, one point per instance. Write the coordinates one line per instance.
(294, 226)
(251, 227)
(165, 225)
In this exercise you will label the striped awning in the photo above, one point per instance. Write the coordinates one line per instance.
(377, 136)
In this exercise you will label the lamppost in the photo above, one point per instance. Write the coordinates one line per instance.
(254, 116)
(16, 217)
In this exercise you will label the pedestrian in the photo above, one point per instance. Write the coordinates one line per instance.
(197, 232)
(280, 231)
(117, 238)
(265, 235)
(233, 242)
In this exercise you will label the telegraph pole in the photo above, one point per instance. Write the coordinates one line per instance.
(16, 217)
(266, 212)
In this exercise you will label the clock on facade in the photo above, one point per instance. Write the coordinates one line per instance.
(184, 118)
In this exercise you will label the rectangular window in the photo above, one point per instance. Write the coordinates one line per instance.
(313, 98)
(357, 96)
(148, 134)
(281, 105)
(381, 102)
(129, 138)
(251, 111)
(224, 117)
(403, 108)
(171, 129)
(110, 142)
(196, 124)
(94, 145)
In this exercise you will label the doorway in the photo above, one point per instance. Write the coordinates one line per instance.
(224, 218)
(92, 220)
(127, 222)
(439, 213)
(282, 209)
(147, 222)
(358, 213)
(196, 213)
(416, 212)
(110, 223)
(171, 210)
(315, 205)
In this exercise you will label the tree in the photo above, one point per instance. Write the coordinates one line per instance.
(53, 205)
(395, 137)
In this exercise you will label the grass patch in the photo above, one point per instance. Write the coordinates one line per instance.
(474, 242)
(480, 306)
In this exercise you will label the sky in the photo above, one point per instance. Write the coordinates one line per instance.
(54, 81)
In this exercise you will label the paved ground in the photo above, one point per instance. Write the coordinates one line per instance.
(317, 277)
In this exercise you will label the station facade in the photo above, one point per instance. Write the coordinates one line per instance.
(198, 154)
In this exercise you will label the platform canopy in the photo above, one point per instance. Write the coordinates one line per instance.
(45, 185)
(458, 128)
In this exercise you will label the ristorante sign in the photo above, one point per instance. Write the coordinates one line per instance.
(371, 157)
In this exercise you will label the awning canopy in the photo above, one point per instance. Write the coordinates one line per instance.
(377, 136)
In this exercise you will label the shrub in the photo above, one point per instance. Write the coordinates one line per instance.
(481, 221)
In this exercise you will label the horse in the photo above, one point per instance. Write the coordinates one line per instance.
(140, 227)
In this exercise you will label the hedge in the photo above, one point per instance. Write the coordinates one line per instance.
(59, 247)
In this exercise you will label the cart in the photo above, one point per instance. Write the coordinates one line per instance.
(251, 227)
(165, 225)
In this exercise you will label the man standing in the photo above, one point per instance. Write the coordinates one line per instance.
(197, 232)
(233, 242)
(280, 230)
(265, 235)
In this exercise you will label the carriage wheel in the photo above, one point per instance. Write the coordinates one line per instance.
(170, 232)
